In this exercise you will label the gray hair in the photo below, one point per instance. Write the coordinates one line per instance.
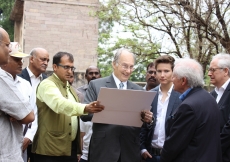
(191, 70)
(33, 52)
(118, 53)
(223, 61)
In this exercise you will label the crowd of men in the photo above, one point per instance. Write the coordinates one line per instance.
(47, 119)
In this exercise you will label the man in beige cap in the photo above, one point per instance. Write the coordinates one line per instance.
(14, 67)
(12, 105)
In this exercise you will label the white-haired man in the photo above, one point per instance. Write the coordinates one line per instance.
(192, 132)
(220, 77)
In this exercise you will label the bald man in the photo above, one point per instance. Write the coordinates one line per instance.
(92, 72)
(39, 58)
(14, 109)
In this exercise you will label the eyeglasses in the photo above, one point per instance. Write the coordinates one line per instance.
(91, 73)
(67, 67)
(213, 69)
(126, 67)
(152, 72)
(9, 45)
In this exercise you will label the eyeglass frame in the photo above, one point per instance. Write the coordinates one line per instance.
(212, 70)
(8, 45)
(67, 67)
(126, 67)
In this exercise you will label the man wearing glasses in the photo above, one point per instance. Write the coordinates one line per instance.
(220, 77)
(150, 77)
(57, 137)
(114, 143)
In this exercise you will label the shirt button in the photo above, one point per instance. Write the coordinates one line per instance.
(69, 123)
(69, 133)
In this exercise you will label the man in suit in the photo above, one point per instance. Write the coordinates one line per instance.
(150, 77)
(192, 131)
(114, 143)
(220, 77)
(38, 62)
(152, 134)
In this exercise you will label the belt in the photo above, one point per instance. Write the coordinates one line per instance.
(156, 151)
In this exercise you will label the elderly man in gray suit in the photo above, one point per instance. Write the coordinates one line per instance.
(114, 143)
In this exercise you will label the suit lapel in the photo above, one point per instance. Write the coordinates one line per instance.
(154, 105)
(225, 96)
(110, 83)
(129, 85)
(25, 75)
(172, 100)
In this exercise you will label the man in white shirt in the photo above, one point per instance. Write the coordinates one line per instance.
(14, 67)
(152, 134)
(12, 106)
(220, 77)
(38, 62)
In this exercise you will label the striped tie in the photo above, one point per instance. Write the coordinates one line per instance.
(121, 85)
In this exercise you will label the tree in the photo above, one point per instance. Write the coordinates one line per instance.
(196, 28)
(5, 22)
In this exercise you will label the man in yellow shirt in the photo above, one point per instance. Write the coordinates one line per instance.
(58, 137)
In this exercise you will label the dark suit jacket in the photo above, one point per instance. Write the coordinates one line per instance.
(109, 142)
(25, 75)
(224, 111)
(147, 131)
(193, 130)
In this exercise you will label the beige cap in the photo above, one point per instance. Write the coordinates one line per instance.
(16, 50)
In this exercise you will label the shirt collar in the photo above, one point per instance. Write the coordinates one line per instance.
(117, 81)
(32, 74)
(67, 83)
(224, 86)
(169, 91)
(183, 96)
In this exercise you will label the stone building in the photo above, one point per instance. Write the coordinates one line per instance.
(58, 25)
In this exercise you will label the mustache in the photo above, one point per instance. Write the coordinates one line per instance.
(152, 78)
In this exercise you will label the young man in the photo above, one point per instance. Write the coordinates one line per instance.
(152, 134)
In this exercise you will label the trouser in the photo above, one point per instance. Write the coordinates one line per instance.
(72, 158)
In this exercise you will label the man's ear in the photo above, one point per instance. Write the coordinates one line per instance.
(184, 81)
(113, 64)
(31, 59)
(55, 67)
(226, 70)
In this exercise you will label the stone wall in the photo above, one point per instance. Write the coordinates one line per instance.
(60, 25)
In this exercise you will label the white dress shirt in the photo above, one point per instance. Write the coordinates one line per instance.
(159, 131)
(25, 88)
(220, 91)
(117, 81)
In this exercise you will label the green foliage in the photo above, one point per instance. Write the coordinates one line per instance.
(5, 10)
(132, 36)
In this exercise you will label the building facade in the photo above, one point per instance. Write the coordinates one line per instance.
(59, 25)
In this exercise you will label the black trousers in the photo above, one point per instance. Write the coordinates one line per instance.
(72, 158)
